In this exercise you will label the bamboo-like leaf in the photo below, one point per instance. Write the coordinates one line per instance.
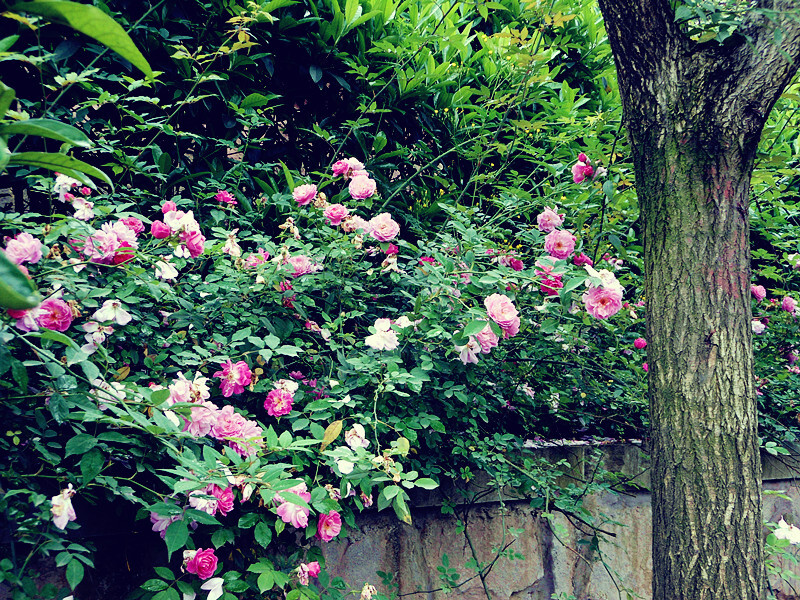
(7, 96)
(58, 162)
(90, 21)
(48, 128)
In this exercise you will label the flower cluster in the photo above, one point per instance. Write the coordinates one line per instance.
(582, 169)
(181, 229)
(604, 300)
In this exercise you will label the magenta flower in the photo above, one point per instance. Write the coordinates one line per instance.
(559, 243)
(229, 424)
(581, 259)
(234, 377)
(602, 302)
(582, 169)
(168, 206)
(362, 187)
(24, 248)
(329, 526)
(347, 167)
(203, 563)
(224, 498)
(304, 571)
(54, 314)
(225, 197)
(758, 291)
(304, 194)
(278, 402)
(383, 228)
(134, 224)
(640, 343)
(160, 230)
(645, 367)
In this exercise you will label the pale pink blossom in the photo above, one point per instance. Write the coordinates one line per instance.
(303, 265)
(329, 526)
(362, 187)
(278, 402)
(202, 500)
(383, 228)
(292, 513)
(384, 337)
(63, 185)
(347, 166)
(356, 437)
(234, 376)
(54, 314)
(131, 223)
(602, 302)
(468, 353)
(549, 219)
(84, 210)
(487, 339)
(201, 419)
(502, 311)
(62, 509)
(559, 243)
(789, 304)
(757, 326)
(229, 423)
(24, 248)
(231, 246)
(26, 319)
(165, 270)
(250, 441)
(256, 258)
(160, 523)
(304, 194)
(112, 311)
(336, 213)
(354, 223)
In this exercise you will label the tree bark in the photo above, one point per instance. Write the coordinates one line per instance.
(694, 115)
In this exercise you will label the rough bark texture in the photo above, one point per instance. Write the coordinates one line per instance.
(694, 114)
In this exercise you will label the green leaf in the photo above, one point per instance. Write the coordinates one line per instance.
(55, 130)
(74, 573)
(20, 374)
(176, 536)
(168, 594)
(315, 72)
(426, 484)
(289, 180)
(154, 585)
(7, 96)
(16, 290)
(263, 534)
(266, 581)
(90, 21)
(255, 99)
(572, 284)
(91, 464)
(56, 336)
(474, 328)
(59, 162)
(80, 444)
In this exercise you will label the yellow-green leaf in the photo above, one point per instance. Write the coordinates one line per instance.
(332, 431)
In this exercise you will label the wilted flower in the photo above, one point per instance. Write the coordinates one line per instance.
(62, 509)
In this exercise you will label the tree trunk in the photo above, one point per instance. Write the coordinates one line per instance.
(694, 114)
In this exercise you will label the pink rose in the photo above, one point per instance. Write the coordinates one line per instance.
(550, 284)
(559, 243)
(549, 219)
(304, 194)
(347, 166)
(602, 302)
(202, 419)
(224, 498)
(24, 248)
(582, 169)
(302, 265)
(124, 253)
(487, 338)
(54, 314)
(645, 367)
(502, 311)
(160, 230)
(134, 224)
(225, 197)
(229, 423)
(383, 228)
(278, 402)
(758, 291)
(789, 304)
(168, 206)
(581, 259)
(640, 343)
(234, 377)
(252, 439)
(354, 223)
(362, 187)
(335, 213)
(329, 526)
(203, 563)
(194, 242)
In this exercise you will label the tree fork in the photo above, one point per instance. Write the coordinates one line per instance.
(694, 114)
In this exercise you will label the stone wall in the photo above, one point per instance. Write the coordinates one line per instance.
(559, 557)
